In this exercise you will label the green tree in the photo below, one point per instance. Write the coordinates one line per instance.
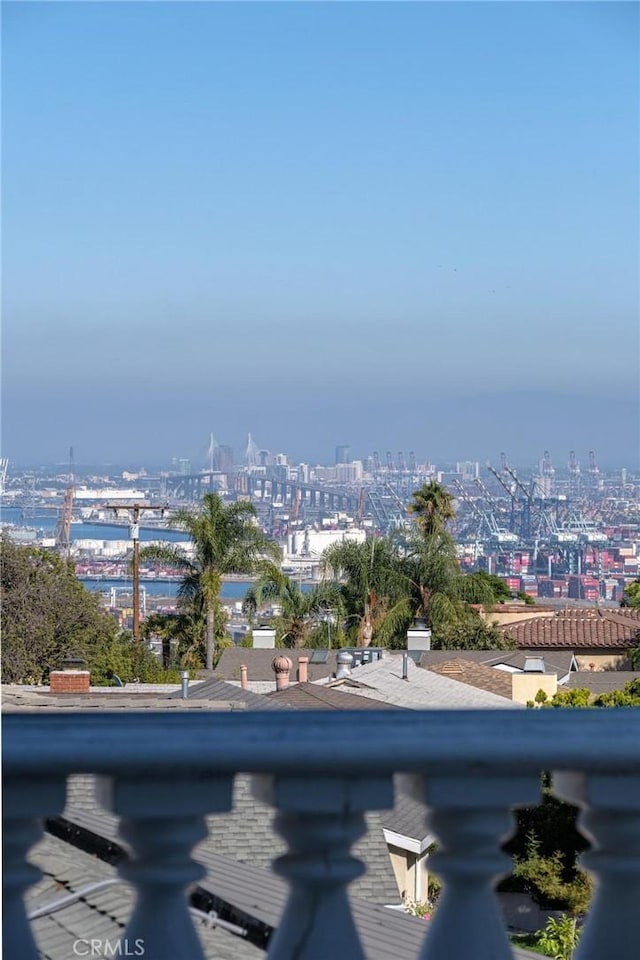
(581, 697)
(485, 588)
(560, 937)
(369, 582)
(576, 697)
(301, 612)
(631, 596)
(432, 506)
(47, 614)
(629, 696)
(554, 881)
(183, 634)
(226, 539)
(430, 584)
(386, 585)
(121, 658)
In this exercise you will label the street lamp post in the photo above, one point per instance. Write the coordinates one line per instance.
(134, 511)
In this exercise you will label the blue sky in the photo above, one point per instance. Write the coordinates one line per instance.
(400, 226)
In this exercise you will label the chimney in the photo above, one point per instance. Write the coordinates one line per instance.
(419, 635)
(526, 684)
(70, 678)
(344, 662)
(244, 683)
(303, 669)
(405, 666)
(264, 637)
(282, 669)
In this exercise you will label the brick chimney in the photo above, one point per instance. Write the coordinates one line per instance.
(70, 678)
(282, 669)
(303, 669)
(243, 676)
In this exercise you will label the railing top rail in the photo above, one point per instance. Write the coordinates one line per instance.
(346, 743)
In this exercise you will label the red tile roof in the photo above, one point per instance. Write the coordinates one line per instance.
(579, 627)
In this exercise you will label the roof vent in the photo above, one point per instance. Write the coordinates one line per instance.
(534, 665)
(344, 661)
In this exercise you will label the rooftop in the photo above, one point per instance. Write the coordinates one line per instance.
(577, 628)
(422, 689)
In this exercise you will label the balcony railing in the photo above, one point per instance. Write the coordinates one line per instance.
(321, 772)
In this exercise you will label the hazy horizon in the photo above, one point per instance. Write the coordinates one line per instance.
(397, 226)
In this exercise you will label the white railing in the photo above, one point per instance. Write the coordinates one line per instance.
(322, 771)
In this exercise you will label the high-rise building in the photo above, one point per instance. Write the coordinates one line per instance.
(343, 451)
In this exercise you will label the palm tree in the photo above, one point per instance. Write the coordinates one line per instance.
(369, 578)
(226, 540)
(433, 507)
(387, 586)
(301, 611)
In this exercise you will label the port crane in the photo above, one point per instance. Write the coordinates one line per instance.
(526, 531)
(487, 520)
(508, 490)
(495, 506)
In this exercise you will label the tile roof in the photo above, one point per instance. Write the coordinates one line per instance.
(577, 628)
(422, 690)
(476, 675)
(316, 696)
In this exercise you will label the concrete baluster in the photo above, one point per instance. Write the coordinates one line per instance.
(25, 801)
(470, 818)
(162, 821)
(610, 820)
(320, 819)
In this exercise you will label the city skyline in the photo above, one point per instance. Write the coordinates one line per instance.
(402, 226)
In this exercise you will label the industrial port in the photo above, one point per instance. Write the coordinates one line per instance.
(553, 530)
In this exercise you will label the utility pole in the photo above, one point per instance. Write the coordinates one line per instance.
(134, 510)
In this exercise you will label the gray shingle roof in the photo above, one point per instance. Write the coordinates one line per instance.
(103, 914)
(219, 690)
(316, 696)
(422, 690)
(15, 699)
(246, 834)
(408, 818)
(258, 663)
(602, 681)
(258, 895)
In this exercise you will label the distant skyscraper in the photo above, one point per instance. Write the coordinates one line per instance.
(343, 451)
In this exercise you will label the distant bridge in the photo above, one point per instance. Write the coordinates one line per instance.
(264, 489)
